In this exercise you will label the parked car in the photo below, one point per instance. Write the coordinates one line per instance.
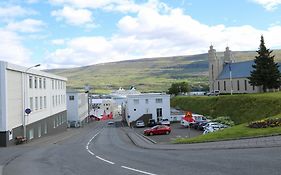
(110, 123)
(214, 125)
(140, 124)
(151, 123)
(214, 93)
(165, 121)
(199, 125)
(158, 129)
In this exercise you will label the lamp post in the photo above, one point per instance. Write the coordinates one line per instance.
(87, 90)
(26, 111)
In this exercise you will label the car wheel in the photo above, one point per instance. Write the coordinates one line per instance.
(167, 132)
(151, 133)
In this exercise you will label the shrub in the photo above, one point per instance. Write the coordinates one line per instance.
(224, 120)
(265, 123)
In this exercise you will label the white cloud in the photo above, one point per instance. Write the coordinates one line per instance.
(269, 5)
(73, 16)
(27, 26)
(15, 11)
(123, 6)
(58, 42)
(12, 49)
(152, 33)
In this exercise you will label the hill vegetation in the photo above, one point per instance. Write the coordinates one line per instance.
(147, 75)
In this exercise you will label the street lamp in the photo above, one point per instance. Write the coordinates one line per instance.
(87, 89)
(26, 111)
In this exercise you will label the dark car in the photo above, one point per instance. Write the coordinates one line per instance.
(151, 123)
(201, 125)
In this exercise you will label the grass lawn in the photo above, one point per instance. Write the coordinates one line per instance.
(236, 132)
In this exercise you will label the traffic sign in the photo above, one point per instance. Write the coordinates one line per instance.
(27, 111)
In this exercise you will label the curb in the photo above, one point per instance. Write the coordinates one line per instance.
(147, 138)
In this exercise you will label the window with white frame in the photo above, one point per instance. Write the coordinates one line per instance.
(45, 102)
(36, 103)
(39, 130)
(40, 83)
(31, 133)
(45, 128)
(158, 100)
(136, 101)
(41, 102)
(52, 84)
(30, 81)
(35, 82)
(44, 83)
(31, 103)
(53, 98)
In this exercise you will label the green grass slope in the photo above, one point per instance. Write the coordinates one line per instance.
(148, 75)
(240, 108)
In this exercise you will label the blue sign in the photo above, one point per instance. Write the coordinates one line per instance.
(27, 111)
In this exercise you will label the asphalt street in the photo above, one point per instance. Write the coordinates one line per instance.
(104, 150)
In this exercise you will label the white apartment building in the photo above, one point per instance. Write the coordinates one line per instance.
(43, 93)
(156, 105)
(77, 108)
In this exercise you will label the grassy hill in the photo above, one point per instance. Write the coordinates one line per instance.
(148, 75)
(255, 106)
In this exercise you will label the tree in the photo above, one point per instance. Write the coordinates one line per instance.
(265, 71)
(179, 88)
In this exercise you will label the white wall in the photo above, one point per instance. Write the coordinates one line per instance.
(15, 78)
(77, 109)
(3, 99)
(137, 110)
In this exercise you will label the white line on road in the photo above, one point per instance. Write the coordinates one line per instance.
(1, 170)
(112, 163)
(132, 169)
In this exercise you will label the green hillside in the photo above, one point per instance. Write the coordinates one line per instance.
(147, 75)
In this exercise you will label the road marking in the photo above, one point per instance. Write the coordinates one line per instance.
(139, 171)
(1, 170)
(112, 163)
(87, 146)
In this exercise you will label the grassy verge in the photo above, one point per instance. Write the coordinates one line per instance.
(236, 132)
(240, 108)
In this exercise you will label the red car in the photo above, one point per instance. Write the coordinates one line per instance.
(158, 129)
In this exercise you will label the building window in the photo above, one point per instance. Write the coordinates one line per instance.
(224, 85)
(52, 84)
(31, 133)
(146, 101)
(56, 84)
(53, 101)
(71, 97)
(219, 85)
(44, 83)
(158, 100)
(245, 85)
(41, 102)
(30, 81)
(35, 82)
(39, 130)
(159, 114)
(31, 103)
(45, 102)
(56, 100)
(36, 103)
(135, 109)
(45, 128)
(238, 85)
(136, 101)
(54, 122)
(40, 83)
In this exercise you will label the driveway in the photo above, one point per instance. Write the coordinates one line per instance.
(177, 132)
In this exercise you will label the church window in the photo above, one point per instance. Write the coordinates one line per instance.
(218, 85)
(238, 85)
(253, 88)
(224, 85)
(245, 81)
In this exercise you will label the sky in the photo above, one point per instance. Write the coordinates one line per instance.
(72, 33)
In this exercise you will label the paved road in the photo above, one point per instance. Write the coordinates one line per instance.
(101, 149)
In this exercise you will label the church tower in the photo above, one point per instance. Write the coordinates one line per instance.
(228, 58)
(215, 68)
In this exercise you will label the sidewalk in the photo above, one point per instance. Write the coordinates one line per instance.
(261, 142)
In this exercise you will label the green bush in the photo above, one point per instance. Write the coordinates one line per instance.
(224, 120)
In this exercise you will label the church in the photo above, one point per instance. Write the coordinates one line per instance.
(228, 76)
